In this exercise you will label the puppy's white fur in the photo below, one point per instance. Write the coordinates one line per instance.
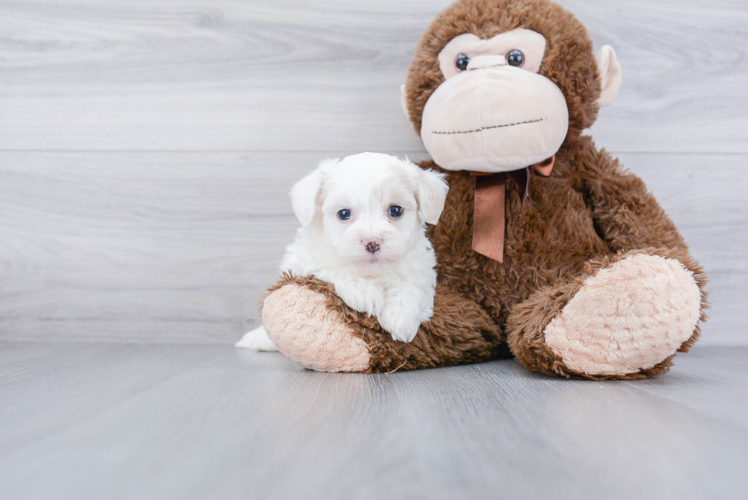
(395, 283)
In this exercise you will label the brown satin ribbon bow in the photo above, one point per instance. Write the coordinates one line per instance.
(489, 219)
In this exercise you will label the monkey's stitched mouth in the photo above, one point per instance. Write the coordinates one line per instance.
(486, 128)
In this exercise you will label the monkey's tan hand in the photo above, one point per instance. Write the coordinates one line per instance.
(310, 324)
(305, 328)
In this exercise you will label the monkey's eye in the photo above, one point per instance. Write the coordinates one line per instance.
(395, 211)
(515, 58)
(462, 62)
(344, 214)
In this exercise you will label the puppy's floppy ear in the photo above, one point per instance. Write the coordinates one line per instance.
(431, 193)
(305, 194)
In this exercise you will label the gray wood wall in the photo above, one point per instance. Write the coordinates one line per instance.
(146, 148)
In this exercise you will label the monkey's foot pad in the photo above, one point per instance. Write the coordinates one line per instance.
(628, 317)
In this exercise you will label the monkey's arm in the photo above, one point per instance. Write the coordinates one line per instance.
(626, 214)
(626, 314)
(630, 219)
(313, 326)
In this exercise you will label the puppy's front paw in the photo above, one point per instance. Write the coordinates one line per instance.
(400, 321)
(361, 295)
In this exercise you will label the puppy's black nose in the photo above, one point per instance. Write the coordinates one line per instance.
(372, 246)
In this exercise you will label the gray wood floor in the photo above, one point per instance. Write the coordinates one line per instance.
(146, 147)
(135, 421)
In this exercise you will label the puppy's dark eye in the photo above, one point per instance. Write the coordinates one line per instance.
(344, 214)
(395, 211)
(462, 62)
(515, 58)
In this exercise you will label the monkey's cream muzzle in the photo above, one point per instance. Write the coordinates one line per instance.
(490, 115)
(494, 118)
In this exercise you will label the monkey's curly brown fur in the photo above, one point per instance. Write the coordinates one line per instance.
(589, 214)
(459, 333)
(568, 60)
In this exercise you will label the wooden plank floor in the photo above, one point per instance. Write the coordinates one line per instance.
(134, 421)
(146, 149)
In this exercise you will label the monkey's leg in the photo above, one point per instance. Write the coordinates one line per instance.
(313, 326)
(624, 319)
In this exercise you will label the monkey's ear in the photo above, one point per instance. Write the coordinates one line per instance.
(305, 196)
(610, 75)
(404, 101)
(431, 194)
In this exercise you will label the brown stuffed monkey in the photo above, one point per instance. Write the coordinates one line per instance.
(547, 250)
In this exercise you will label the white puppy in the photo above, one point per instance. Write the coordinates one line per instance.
(363, 230)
